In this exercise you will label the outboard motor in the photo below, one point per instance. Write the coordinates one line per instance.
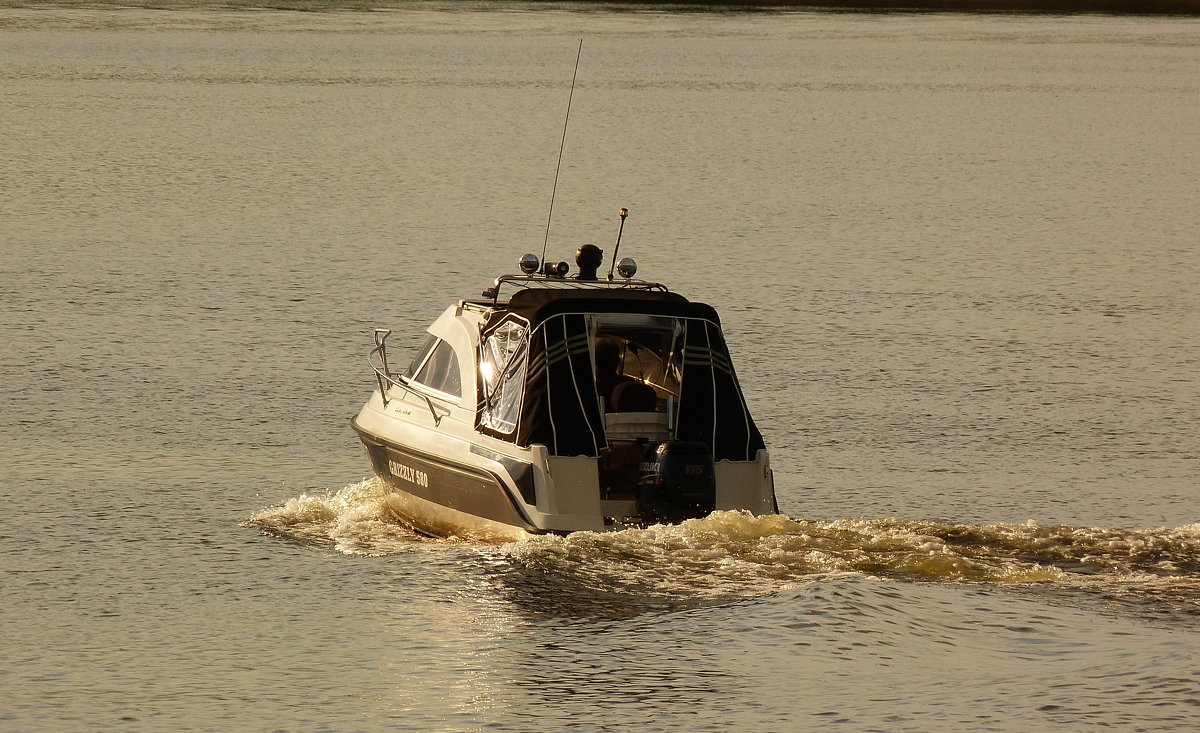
(676, 481)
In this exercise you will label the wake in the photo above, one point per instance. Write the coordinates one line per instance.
(730, 555)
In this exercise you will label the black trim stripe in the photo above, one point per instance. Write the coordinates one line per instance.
(521, 472)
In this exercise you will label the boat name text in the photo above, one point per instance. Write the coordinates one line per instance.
(408, 473)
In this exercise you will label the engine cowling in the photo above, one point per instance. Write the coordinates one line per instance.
(676, 481)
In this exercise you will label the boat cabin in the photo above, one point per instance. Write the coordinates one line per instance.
(623, 387)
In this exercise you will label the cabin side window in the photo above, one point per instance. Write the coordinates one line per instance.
(440, 370)
(502, 357)
(422, 354)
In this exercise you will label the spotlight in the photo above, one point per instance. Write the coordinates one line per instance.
(529, 264)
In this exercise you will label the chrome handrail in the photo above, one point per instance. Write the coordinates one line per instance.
(385, 375)
(564, 283)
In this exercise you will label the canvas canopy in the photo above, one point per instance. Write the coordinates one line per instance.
(537, 383)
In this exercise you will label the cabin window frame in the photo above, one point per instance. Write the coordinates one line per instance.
(503, 414)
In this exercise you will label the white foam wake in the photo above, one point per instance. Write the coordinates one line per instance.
(355, 520)
(735, 554)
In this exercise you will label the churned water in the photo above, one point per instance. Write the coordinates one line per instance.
(955, 255)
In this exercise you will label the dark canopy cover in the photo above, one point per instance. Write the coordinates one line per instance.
(559, 407)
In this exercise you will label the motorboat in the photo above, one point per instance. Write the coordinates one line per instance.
(558, 403)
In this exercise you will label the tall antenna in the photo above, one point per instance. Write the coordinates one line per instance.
(561, 145)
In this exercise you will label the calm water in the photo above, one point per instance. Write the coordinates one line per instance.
(956, 256)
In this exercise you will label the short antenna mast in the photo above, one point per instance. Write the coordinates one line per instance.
(561, 145)
(613, 259)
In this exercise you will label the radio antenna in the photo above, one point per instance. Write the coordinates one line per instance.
(561, 145)
(613, 259)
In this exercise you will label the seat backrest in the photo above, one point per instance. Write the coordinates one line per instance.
(634, 397)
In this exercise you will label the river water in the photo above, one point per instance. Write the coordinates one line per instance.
(956, 257)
